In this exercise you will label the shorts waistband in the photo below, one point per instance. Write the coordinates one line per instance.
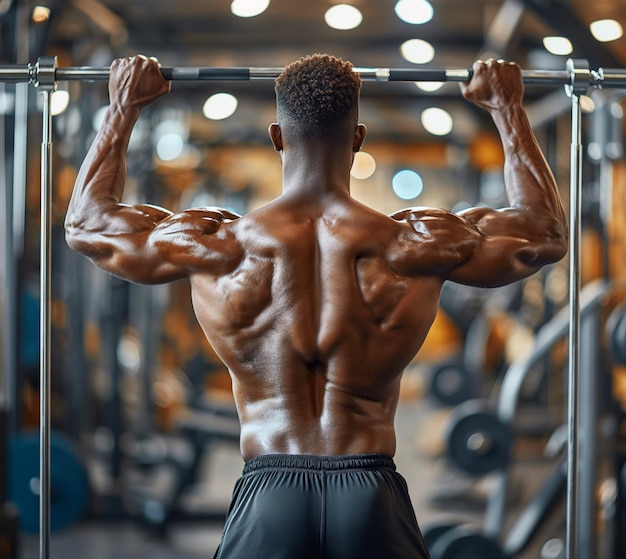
(320, 463)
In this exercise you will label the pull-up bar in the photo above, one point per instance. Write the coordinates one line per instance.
(605, 78)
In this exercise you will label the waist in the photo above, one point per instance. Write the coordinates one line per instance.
(319, 463)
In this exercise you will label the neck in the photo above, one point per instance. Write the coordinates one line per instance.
(316, 171)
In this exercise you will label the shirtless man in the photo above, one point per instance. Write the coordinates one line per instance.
(315, 302)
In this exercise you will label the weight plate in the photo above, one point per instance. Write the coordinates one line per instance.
(69, 484)
(465, 542)
(478, 442)
(451, 384)
(433, 532)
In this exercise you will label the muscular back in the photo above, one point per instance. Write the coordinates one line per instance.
(316, 323)
(316, 303)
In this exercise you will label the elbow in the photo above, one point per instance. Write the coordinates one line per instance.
(72, 239)
(72, 231)
(75, 241)
(560, 240)
(77, 236)
(561, 251)
(554, 243)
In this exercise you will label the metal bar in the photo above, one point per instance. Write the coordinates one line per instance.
(591, 333)
(44, 320)
(7, 345)
(20, 165)
(612, 78)
(17, 201)
(46, 82)
(28, 73)
(573, 401)
(536, 77)
(16, 73)
(8, 291)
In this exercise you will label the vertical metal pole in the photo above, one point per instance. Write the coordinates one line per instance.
(13, 195)
(20, 146)
(46, 82)
(17, 199)
(20, 155)
(7, 370)
(580, 83)
(9, 292)
(7, 343)
(44, 318)
(589, 432)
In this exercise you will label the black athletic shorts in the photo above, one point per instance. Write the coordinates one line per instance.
(332, 507)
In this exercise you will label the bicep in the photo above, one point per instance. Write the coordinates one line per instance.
(511, 245)
(481, 246)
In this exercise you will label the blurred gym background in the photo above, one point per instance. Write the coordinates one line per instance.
(144, 447)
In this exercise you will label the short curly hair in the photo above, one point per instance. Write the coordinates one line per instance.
(317, 94)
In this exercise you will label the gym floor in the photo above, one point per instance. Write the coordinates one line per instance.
(437, 492)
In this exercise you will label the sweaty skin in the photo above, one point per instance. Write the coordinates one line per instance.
(315, 302)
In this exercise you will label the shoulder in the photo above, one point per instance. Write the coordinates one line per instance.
(205, 220)
(221, 215)
(433, 240)
(429, 222)
(424, 213)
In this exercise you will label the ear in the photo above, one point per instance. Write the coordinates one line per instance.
(276, 136)
(359, 137)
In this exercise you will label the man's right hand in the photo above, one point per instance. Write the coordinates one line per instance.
(494, 85)
(136, 82)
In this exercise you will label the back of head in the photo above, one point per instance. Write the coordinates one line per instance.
(318, 95)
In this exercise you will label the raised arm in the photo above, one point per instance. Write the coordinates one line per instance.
(141, 243)
(491, 247)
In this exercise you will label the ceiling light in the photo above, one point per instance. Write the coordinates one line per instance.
(343, 16)
(429, 86)
(558, 45)
(59, 101)
(364, 165)
(437, 121)
(414, 11)
(219, 106)
(41, 14)
(249, 8)
(417, 51)
(587, 104)
(407, 184)
(606, 30)
(170, 146)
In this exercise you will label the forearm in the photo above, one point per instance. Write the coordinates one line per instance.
(529, 182)
(100, 183)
